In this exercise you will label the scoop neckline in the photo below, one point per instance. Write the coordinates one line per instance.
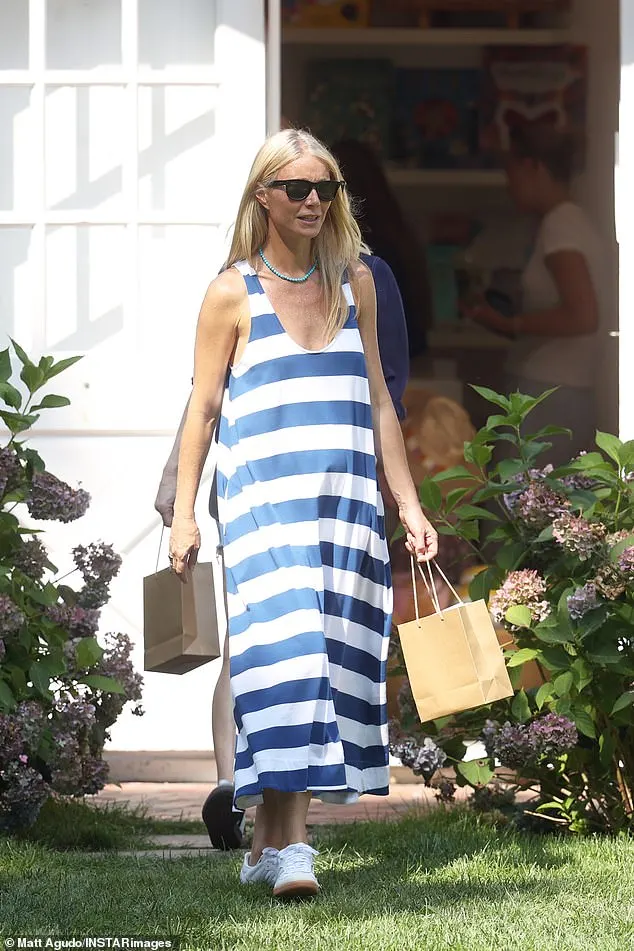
(285, 331)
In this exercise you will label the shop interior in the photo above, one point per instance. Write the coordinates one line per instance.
(427, 87)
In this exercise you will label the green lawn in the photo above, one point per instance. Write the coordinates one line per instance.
(435, 882)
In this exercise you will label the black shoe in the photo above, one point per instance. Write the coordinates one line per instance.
(224, 825)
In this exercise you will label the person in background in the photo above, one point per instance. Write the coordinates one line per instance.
(387, 232)
(224, 823)
(555, 337)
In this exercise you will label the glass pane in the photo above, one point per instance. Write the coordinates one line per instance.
(85, 277)
(176, 264)
(178, 149)
(84, 147)
(17, 284)
(81, 35)
(18, 149)
(179, 34)
(14, 34)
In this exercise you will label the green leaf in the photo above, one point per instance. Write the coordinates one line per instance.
(625, 700)
(519, 615)
(5, 366)
(549, 634)
(21, 354)
(606, 655)
(10, 395)
(7, 700)
(508, 469)
(510, 556)
(62, 365)
(591, 460)
(582, 674)
(544, 693)
(522, 656)
(492, 397)
(52, 402)
(606, 749)
(476, 772)
(32, 376)
(17, 422)
(430, 495)
(496, 420)
(455, 496)
(610, 445)
(520, 708)
(456, 472)
(88, 652)
(482, 584)
(563, 683)
(482, 455)
(546, 534)
(40, 677)
(584, 722)
(107, 684)
(475, 511)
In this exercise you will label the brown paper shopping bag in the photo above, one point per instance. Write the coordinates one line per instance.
(453, 657)
(180, 621)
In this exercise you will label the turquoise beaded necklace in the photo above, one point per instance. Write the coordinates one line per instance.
(285, 277)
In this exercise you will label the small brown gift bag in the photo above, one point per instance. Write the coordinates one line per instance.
(180, 621)
(453, 658)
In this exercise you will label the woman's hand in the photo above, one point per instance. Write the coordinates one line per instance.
(184, 546)
(481, 312)
(421, 538)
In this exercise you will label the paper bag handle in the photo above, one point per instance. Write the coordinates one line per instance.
(431, 587)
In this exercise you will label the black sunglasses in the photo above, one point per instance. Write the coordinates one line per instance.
(298, 189)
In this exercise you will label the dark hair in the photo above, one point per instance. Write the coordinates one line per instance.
(555, 149)
(387, 232)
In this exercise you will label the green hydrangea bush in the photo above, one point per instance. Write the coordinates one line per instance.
(558, 546)
(61, 688)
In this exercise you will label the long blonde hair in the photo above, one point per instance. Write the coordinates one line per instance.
(339, 242)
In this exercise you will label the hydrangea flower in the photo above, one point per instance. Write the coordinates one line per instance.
(116, 663)
(31, 558)
(423, 759)
(625, 563)
(3, 649)
(23, 793)
(10, 470)
(610, 582)
(98, 562)
(538, 505)
(579, 536)
(52, 499)
(78, 621)
(517, 745)
(521, 587)
(582, 601)
(11, 618)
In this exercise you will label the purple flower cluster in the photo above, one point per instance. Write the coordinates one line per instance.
(52, 499)
(524, 587)
(579, 536)
(116, 663)
(32, 720)
(582, 601)
(78, 621)
(98, 562)
(76, 769)
(11, 618)
(610, 582)
(31, 558)
(517, 745)
(423, 759)
(625, 563)
(537, 506)
(22, 793)
(10, 470)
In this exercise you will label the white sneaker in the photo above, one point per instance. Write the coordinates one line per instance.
(266, 868)
(296, 876)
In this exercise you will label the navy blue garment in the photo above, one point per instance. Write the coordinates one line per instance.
(391, 328)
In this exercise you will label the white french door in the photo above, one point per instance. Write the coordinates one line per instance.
(126, 130)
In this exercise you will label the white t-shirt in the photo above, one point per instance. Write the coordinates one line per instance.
(565, 361)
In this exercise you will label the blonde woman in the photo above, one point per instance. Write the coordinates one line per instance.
(287, 364)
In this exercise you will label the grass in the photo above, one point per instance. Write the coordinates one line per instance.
(433, 881)
(69, 825)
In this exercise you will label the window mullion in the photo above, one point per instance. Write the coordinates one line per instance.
(37, 69)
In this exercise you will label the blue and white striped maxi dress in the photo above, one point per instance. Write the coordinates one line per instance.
(306, 561)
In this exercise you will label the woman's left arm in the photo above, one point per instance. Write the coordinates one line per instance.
(421, 537)
(576, 313)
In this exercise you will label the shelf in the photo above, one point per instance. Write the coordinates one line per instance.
(465, 337)
(446, 178)
(378, 36)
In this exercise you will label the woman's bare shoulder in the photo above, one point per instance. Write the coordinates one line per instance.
(226, 297)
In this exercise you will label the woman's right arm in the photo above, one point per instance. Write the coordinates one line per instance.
(222, 325)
